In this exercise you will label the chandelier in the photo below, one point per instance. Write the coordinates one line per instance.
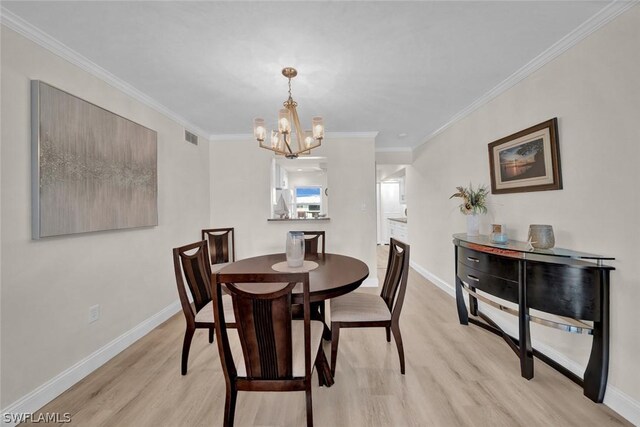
(281, 141)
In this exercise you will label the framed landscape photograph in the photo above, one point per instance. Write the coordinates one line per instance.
(526, 161)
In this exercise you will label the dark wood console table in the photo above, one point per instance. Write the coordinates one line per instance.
(571, 286)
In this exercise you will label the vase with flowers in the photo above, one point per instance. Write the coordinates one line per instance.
(474, 203)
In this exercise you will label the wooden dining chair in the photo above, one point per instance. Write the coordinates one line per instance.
(311, 246)
(276, 353)
(361, 310)
(222, 246)
(191, 263)
(311, 243)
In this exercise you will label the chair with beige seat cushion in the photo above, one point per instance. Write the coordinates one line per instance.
(191, 264)
(221, 245)
(276, 353)
(361, 310)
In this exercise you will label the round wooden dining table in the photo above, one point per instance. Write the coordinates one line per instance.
(335, 275)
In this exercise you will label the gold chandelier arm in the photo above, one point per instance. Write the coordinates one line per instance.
(296, 124)
(287, 144)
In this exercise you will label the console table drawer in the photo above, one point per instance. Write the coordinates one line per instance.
(501, 288)
(502, 267)
(563, 290)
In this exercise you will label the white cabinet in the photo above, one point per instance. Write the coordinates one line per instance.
(281, 179)
(403, 198)
(398, 230)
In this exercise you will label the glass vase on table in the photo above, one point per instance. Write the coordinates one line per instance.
(295, 249)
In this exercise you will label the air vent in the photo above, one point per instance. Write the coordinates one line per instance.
(190, 137)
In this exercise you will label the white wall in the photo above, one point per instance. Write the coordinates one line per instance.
(394, 157)
(594, 90)
(240, 174)
(49, 285)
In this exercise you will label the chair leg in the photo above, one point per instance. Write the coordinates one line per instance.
(230, 406)
(324, 371)
(335, 336)
(388, 331)
(186, 345)
(309, 406)
(322, 311)
(395, 328)
(211, 332)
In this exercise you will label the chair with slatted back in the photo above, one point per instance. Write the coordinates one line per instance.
(222, 246)
(191, 263)
(276, 353)
(362, 310)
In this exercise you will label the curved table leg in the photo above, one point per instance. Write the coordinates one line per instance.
(595, 376)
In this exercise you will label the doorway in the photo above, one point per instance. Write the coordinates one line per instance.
(391, 203)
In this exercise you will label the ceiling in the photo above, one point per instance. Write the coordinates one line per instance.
(392, 67)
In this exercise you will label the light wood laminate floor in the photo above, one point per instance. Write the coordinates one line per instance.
(456, 376)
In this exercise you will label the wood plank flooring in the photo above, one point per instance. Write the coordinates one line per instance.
(456, 376)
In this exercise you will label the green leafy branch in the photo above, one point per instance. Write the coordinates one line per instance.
(473, 201)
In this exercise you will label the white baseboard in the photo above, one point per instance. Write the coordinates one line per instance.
(614, 398)
(433, 279)
(48, 391)
(623, 404)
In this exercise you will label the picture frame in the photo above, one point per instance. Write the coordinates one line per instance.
(528, 160)
(91, 169)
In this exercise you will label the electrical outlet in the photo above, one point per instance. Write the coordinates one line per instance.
(94, 313)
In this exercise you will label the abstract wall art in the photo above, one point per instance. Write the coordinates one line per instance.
(92, 170)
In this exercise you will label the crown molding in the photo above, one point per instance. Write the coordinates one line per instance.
(604, 16)
(24, 28)
(327, 135)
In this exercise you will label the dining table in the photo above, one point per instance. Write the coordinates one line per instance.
(334, 275)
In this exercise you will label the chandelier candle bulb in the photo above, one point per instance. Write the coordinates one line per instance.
(259, 131)
(318, 128)
(308, 140)
(284, 121)
(275, 139)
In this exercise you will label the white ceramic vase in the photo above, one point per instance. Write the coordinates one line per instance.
(473, 225)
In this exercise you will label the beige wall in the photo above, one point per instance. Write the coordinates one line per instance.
(240, 186)
(49, 285)
(594, 90)
(398, 157)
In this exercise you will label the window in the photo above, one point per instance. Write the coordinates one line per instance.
(308, 201)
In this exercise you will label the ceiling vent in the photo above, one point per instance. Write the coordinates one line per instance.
(190, 137)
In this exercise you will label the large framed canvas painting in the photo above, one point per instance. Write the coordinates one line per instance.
(92, 170)
(526, 161)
